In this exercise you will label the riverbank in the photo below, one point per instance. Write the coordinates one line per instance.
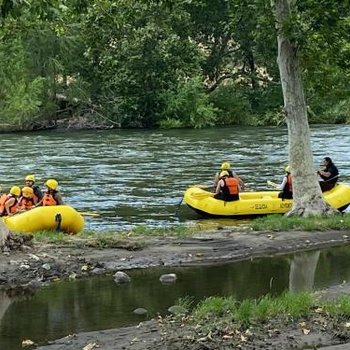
(39, 263)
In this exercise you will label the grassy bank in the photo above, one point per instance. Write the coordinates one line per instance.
(137, 238)
(289, 321)
(283, 223)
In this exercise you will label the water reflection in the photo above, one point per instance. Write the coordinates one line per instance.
(302, 271)
(98, 303)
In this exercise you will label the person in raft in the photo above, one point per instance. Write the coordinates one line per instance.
(51, 195)
(30, 182)
(26, 201)
(226, 166)
(227, 188)
(9, 202)
(329, 174)
(286, 186)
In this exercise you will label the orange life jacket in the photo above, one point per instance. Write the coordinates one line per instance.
(25, 203)
(3, 200)
(231, 183)
(49, 199)
(289, 183)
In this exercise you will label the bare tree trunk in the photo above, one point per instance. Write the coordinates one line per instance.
(4, 232)
(308, 198)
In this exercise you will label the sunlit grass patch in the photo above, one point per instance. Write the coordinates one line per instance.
(313, 223)
(252, 310)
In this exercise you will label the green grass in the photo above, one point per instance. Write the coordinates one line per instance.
(224, 310)
(315, 223)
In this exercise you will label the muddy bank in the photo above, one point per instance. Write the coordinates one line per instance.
(37, 264)
(317, 330)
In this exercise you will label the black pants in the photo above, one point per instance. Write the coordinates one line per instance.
(326, 186)
(285, 195)
(231, 198)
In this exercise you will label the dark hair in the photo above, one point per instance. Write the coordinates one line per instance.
(329, 160)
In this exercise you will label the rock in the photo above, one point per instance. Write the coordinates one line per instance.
(121, 277)
(46, 267)
(98, 271)
(168, 278)
(140, 311)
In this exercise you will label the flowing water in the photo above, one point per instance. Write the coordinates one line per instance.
(98, 303)
(137, 177)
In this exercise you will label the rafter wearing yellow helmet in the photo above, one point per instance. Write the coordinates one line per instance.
(30, 182)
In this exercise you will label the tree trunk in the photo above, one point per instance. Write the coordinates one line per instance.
(308, 198)
(4, 232)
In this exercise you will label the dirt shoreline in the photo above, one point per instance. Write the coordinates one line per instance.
(42, 263)
(23, 271)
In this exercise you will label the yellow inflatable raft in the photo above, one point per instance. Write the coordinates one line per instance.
(256, 203)
(62, 217)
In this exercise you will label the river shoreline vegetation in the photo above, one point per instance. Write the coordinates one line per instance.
(136, 238)
(291, 320)
(168, 64)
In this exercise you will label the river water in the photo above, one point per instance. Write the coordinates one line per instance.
(137, 177)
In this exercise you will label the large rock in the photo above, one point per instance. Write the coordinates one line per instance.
(121, 277)
(168, 278)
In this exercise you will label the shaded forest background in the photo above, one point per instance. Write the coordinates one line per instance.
(165, 63)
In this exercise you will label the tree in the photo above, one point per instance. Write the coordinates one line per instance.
(308, 199)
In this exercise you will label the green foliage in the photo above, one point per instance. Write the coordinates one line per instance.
(340, 307)
(316, 223)
(219, 309)
(168, 64)
(20, 93)
(188, 105)
(233, 105)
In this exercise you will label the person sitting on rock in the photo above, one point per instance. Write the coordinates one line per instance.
(227, 188)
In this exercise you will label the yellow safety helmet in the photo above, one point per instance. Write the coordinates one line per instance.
(224, 173)
(30, 178)
(52, 184)
(287, 169)
(15, 191)
(225, 166)
(27, 191)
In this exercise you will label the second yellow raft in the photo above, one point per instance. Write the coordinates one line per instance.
(257, 203)
(46, 218)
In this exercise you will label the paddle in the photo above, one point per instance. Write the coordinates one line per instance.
(272, 184)
(88, 213)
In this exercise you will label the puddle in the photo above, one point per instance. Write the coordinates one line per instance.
(70, 307)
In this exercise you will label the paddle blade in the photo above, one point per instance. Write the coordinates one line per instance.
(272, 184)
(88, 213)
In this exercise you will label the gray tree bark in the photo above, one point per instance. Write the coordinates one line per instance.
(308, 198)
(4, 232)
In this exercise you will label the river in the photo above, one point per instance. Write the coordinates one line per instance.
(137, 177)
